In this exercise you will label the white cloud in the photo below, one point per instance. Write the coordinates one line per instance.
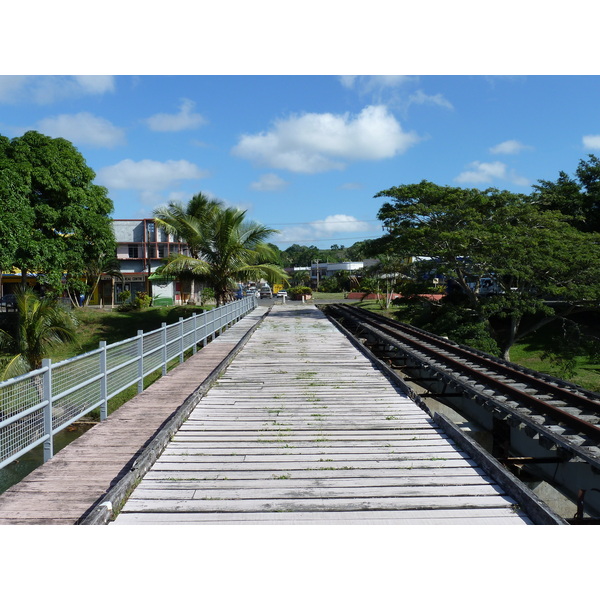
(184, 119)
(367, 84)
(420, 97)
(351, 185)
(96, 84)
(481, 172)
(591, 142)
(269, 183)
(83, 128)
(391, 90)
(11, 87)
(339, 223)
(45, 89)
(509, 147)
(148, 175)
(323, 229)
(313, 142)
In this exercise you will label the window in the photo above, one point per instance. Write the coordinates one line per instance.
(133, 252)
(151, 232)
(161, 251)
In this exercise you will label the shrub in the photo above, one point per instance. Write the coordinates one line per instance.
(299, 291)
(207, 294)
(124, 296)
(331, 284)
(142, 300)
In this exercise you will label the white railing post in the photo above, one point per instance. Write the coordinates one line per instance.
(195, 334)
(204, 328)
(180, 339)
(164, 348)
(47, 397)
(103, 382)
(140, 357)
(213, 325)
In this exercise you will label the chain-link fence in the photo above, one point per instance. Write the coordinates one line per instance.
(37, 405)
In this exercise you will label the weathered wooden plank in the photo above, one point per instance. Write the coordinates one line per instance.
(487, 516)
(315, 505)
(145, 493)
(235, 475)
(289, 456)
(308, 482)
(258, 449)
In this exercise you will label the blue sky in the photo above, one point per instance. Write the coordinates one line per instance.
(263, 117)
(306, 154)
(477, 97)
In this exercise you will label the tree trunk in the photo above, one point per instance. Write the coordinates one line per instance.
(512, 335)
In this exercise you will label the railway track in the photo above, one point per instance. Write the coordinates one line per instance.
(563, 418)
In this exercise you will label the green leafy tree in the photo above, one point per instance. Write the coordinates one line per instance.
(66, 217)
(541, 267)
(225, 248)
(41, 325)
(17, 214)
(300, 278)
(301, 256)
(577, 197)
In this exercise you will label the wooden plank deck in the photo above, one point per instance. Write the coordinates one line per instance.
(302, 429)
(64, 489)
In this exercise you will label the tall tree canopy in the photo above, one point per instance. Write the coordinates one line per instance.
(225, 248)
(540, 265)
(65, 217)
(17, 213)
(578, 197)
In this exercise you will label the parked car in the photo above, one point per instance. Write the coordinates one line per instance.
(282, 294)
(8, 302)
(265, 291)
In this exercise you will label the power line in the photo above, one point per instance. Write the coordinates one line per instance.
(369, 237)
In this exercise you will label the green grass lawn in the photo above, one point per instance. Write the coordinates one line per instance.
(95, 325)
(328, 296)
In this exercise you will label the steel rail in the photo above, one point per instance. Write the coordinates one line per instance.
(491, 362)
(396, 330)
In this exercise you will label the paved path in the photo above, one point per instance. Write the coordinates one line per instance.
(302, 429)
(66, 488)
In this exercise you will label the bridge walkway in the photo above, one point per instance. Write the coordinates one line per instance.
(302, 429)
(106, 459)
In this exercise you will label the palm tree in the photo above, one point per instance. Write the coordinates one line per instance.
(41, 324)
(224, 248)
(188, 222)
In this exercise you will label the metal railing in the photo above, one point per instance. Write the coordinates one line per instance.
(36, 406)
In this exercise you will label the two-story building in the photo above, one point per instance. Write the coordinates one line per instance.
(141, 246)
